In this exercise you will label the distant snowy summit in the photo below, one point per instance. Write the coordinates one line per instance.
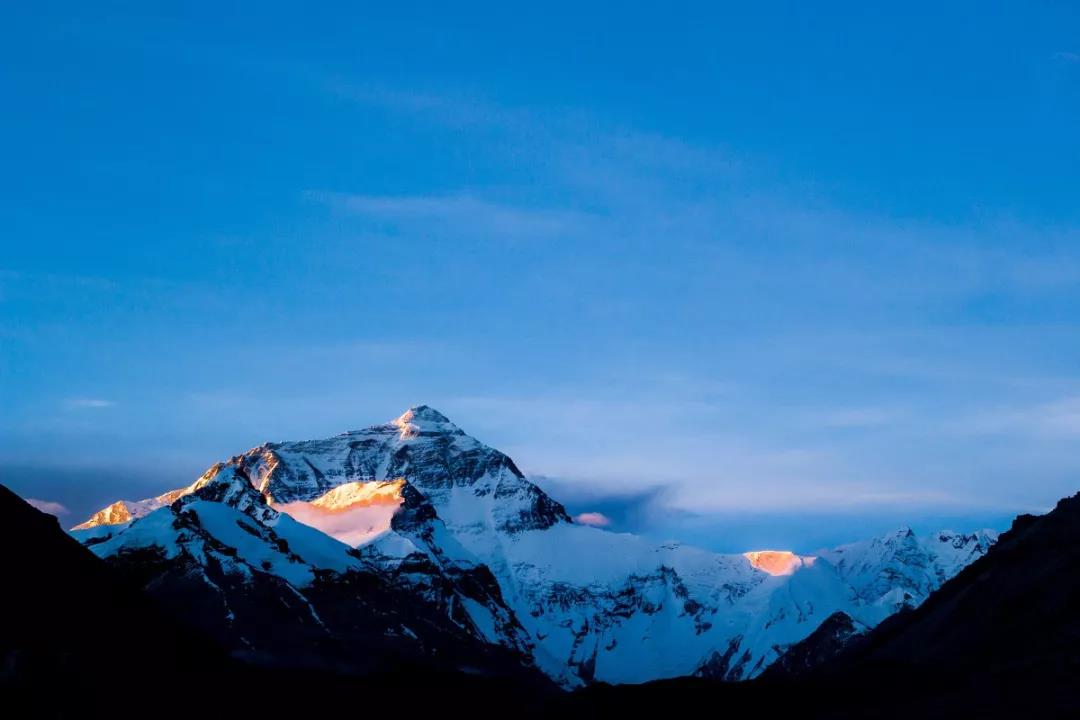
(416, 515)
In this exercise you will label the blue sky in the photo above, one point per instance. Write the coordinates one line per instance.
(771, 275)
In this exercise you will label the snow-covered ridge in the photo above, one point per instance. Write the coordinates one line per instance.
(435, 510)
(124, 511)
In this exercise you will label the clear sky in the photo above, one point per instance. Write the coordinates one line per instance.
(741, 273)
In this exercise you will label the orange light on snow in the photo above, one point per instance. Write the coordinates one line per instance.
(778, 562)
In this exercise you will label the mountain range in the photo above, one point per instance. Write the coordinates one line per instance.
(1001, 639)
(411, 541)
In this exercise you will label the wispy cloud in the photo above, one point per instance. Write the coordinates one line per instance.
(48, 506)
(713, 211)
(855, 417)
(450, 109)
(458, 213)
(84, 403)
(1069, 57)
(1059, 418)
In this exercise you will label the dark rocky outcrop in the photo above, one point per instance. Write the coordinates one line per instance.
(819, 648)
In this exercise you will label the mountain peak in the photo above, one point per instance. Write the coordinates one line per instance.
(901, 533)
(423, 419)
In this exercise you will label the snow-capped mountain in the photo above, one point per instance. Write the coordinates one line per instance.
(416, 509)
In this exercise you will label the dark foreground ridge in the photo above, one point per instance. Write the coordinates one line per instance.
(68, 626)
(1000, 640)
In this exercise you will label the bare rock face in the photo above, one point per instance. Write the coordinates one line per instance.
(820, 647)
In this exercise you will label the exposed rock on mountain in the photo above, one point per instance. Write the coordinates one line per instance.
(820, 647)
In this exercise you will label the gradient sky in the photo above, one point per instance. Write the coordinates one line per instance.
(748, 274)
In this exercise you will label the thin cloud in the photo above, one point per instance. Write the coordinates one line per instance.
(1069, 57)
(88, 403)
(48, 506)
(459, 213)
(1058, 418)
(855, 417)
(451, 110)
(643, 187)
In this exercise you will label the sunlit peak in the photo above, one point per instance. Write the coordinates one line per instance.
(778, 562)
(420, 418)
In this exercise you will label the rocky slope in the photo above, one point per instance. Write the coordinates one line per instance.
(819, 648)
(417, 509)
